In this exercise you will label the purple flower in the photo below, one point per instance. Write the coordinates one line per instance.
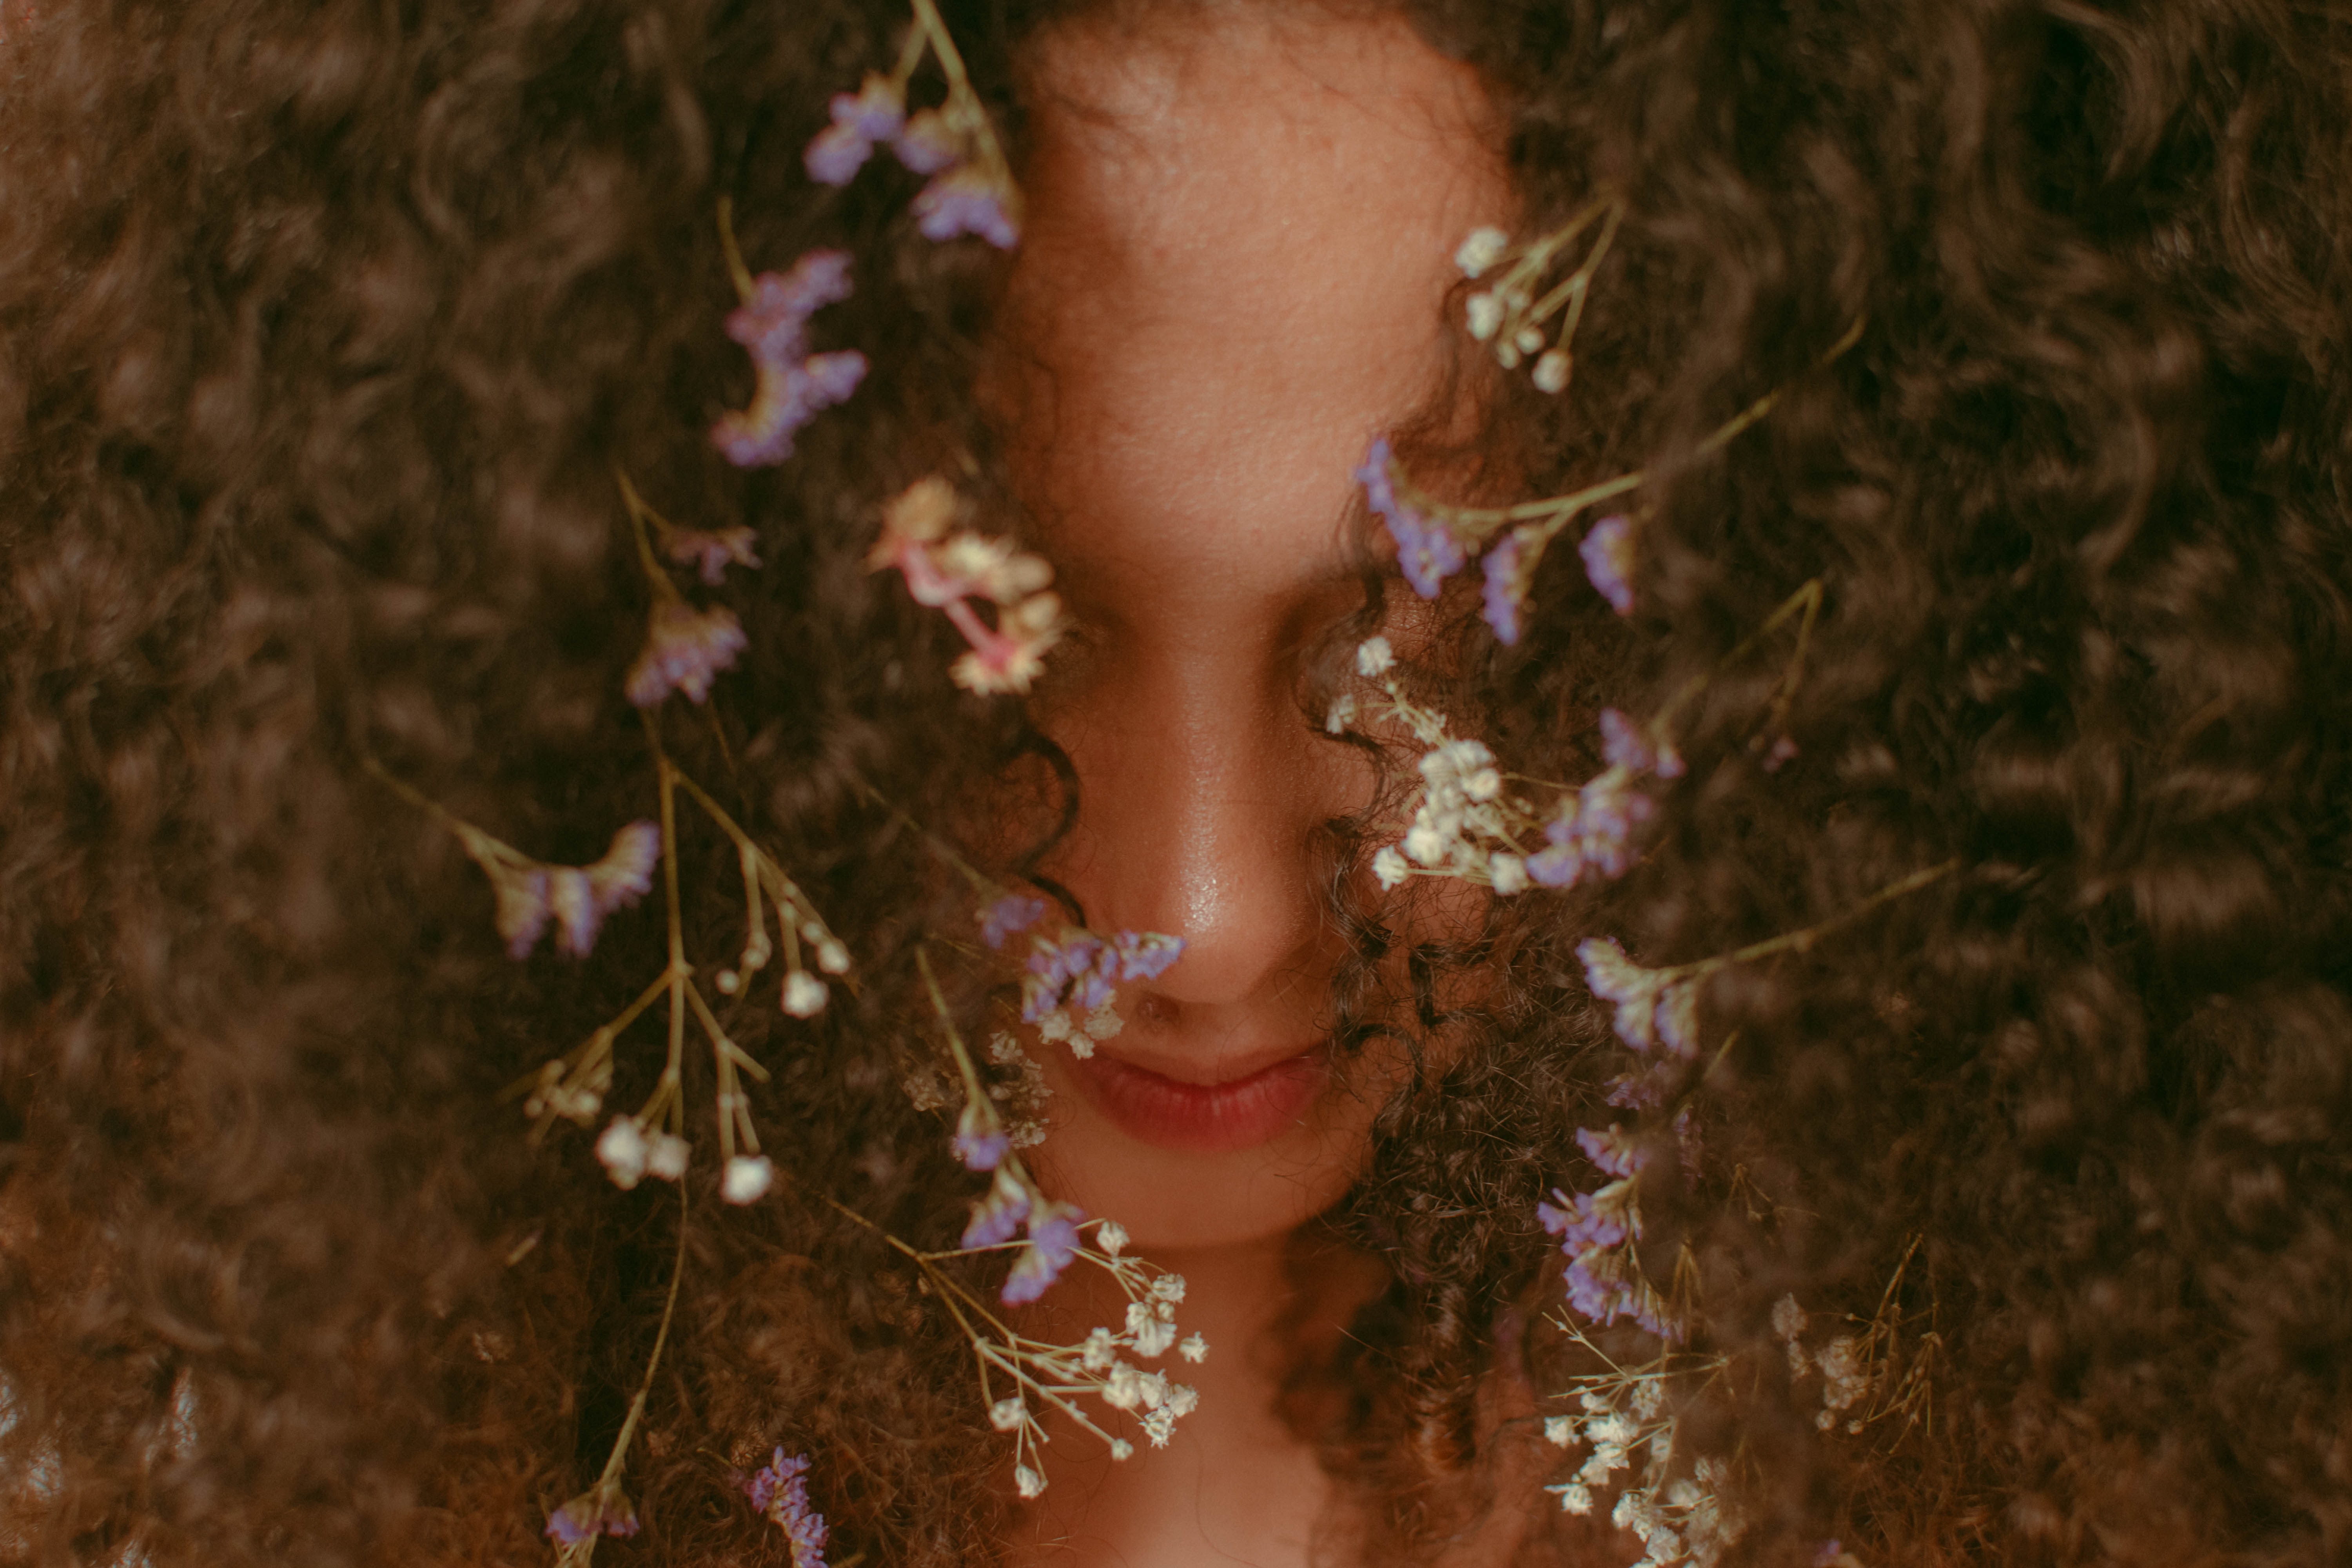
(1608, 551)
(1613, 1151)
(1625, 745)
(1427, 551)
(872, 114)
(1561, 865)
(980, 1141)
(1146, 956)
(522, 908)
(780, 1492)
(1587, 1220)
(1008, 917)
(1503, 600)
(927, 146)
(964, 201)
(577, 897)
(685, 650)
(602, 1510)
(772, 325)
(995, 1217)
(1608, 809)
(712, 552)
(1053, 1243)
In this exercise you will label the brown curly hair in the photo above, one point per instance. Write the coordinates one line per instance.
(326, 326)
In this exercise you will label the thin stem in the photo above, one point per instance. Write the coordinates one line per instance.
(652, 1362)
(1800, 941)
(727, 245)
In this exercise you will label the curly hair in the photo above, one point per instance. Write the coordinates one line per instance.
(326, 327)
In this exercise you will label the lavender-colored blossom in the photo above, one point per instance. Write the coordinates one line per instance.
(872, 114)
(1007, 917)
(1613, 977)
(773, 323)
(1608, 809)
(712, 552)
(1586, 1220)
(964, 201)
(685, 650)
(1562, 863)
(1053, 1243)
(1427, 551)
(602, 1510)
(780, 1492)
(786, 396)
(522, 908)
(1146, 956)
(1643, 1090)
(927, 145)
(1503, 604)
(1598, 1288)
(981, 1141)
(1608, 551)
(577, 898)
(995, 1217)
(1623, 745)
(1613, 1151)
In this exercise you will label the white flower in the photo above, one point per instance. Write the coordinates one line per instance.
(1374, 658)
(1787, 1320)
(1612, 1429)
(1055, 1026)
(832, 957)
(1424, 844)
(748, 1179)
(1099, 1351)
(1155, 1389)
(1154, 1338)
(1560, 1430)
(1103, 1023)
(622, 1150)
(1480, 250)
(1194, 1349)
(1575, 1498)
(1160, 1425)
(1527, 340)
(665, 1155)
(1650, 1394)
(1483, 315)
(1006, 1414)
(1123, 1389)
(1121, 1448)
(1507, 873)
(1390, 869)
(1168, 1288)
(1483, 785)
(1551, 371)
(1111, 1237)
(1662, 1444)
(1027, 1482)
(804, 994)
(1343, 713)
(1182, 1399)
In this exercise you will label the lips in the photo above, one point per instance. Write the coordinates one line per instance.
(1204, 1118)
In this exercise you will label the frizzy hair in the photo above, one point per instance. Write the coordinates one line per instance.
(326, 328)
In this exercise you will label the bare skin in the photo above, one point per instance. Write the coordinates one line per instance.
(1236, 256)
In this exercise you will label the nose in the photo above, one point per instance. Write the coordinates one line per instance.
(1201, 794)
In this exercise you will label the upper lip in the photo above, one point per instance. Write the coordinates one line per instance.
(1209, 1072)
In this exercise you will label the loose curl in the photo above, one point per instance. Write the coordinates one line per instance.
(326, 326)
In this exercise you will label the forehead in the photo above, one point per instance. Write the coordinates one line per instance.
(1241, 221)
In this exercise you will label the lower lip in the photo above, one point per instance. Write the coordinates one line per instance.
(1202, 1118)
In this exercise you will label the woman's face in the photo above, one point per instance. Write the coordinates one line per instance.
(1236, 254)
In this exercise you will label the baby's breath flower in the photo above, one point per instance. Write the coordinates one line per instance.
(746, 1178)
(1341, 714)
(1507, 874)
(685, 650)
(1391, 868)
(1574, 1497)
(1787, 1320)
(805, 994)
(1560, 1430)
(1028, 1483)
(1481, 249)
(622, 1150)
(1374, 658)
(665, 1155)
(1194, 1348)
(1111, 1237)
(1007, 1414)
(1168, 1288)
(1121, 1448)
(1550, 373)
(1483, 313)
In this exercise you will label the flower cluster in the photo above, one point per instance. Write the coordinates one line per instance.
(1624, 1424)
(576, 898)
(1870, 1376)
(793, 385)
(970, 190)
(1468, 824)
(780, 1491)
(602, 1509)
(947, 570)
(1509, 314)
(1048, 1376)
(1597, 1230)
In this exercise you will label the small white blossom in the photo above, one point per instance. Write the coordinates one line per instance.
(1424, 844)
(1007, 1414)
(1154, 1338)
(1168, 1288)
(1560, 1430)
(1111, 1239)
(1550, 373)
(1527, 340)
(622, 1150)
(1484, 315)
(1390, 869)
(832, 957)
(747, 1179)
(1374, 658)
(665, 1155)
(1482, 249)
(1194, 1349)
(1507, 873)
(1123, 1389)
(1103, 1023)
(1575, 1498)
(1160, 1425)
(1342, 714)
(1121, 1448)
(1182, 1399)
(804, 994)
(1787, 1319)
(1054, 1027)
(1027, 1482)
(1099, 1351)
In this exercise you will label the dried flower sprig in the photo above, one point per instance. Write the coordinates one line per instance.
(1626, 1422)
(1511, 316)
(1872, 1376)
(780, 1491)
(605, 1508)
(948, 570)
(793, 385)
(971, 190)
